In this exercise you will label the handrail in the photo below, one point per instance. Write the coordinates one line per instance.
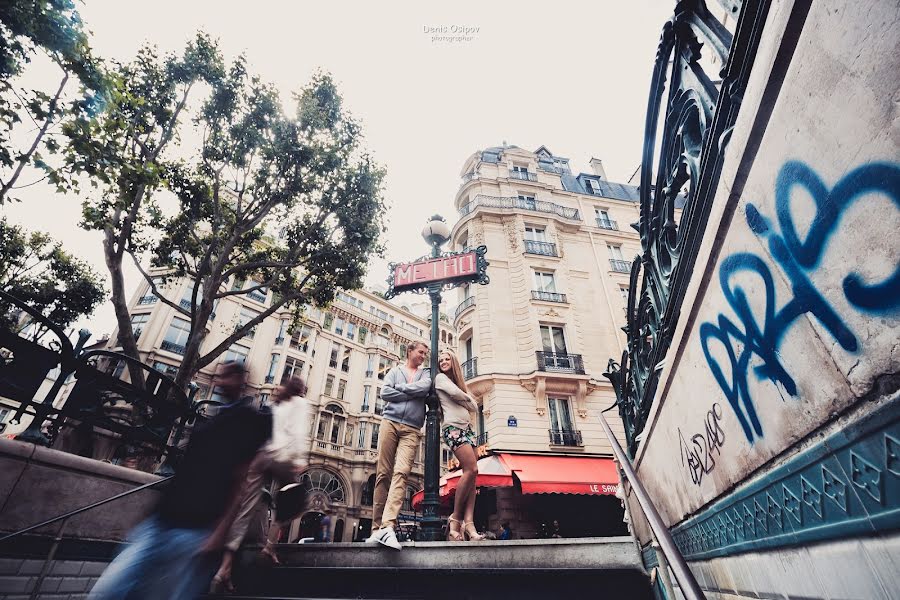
(85, 508)
(689, 586)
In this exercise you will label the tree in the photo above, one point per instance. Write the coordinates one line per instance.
(53, 29)
(37, 270)
(123, 152)
(290, 204)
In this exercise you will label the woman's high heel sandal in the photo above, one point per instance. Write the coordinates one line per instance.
(471, 533)
(454, 535)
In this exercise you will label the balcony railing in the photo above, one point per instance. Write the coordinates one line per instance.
(565, 437)
(151, 299)
(270, 379)
(549, 296)
(607, 224)
(468, 177)
(470, 368)
(560, 363)
(279, 340)
(172, 347)
(482, 439)
(620, 266)
(470, 301)
(542, 248)
(523, 175)
(516, 203)
(257, 296)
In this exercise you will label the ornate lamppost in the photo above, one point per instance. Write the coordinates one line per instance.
(432, 274)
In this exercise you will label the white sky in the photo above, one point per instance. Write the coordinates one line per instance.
(570, 75)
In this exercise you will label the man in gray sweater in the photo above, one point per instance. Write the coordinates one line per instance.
(405, 389)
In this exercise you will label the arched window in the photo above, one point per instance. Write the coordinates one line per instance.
(331, 424)
(368, 491)
(324, 481)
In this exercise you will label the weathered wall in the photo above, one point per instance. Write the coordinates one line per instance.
(776, 418)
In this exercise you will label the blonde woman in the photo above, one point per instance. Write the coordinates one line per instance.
(457, 408)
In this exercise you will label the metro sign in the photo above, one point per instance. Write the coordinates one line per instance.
(450, 269)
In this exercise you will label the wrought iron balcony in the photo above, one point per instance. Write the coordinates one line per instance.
(270, 378)
(620, 266)
(549, 296)
(516, 203)
(523, 175)
(185, 304)
(565, 437)
(542, 248)
(470, 301)
(257, 296)
(470, 368)
(482, 439)
(149, 299)
(607, 224)
(172, 347)
(557, 362)
(279, 340)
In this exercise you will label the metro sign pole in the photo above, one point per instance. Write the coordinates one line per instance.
(431, 275)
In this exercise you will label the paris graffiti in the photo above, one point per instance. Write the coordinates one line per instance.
(753, 334)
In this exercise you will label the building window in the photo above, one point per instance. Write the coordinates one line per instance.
(535, 234)
(624, 291)
(237, 284)
(342, 388)
(162, 367)
(562, 433)
(292, 368)
(339, 326)
(335, 352)
(237, 353)
(320, 480)
(544, 281)
(345, 359)
(379, 403)
(329, 385)
(363, 437)
(615, 252)
(247, 315)
(137, 324)
(263, 400)
(331, 421)
(370, 365)
(177, 336)
(374, 444)
(362, 334)
(384, 365)
(553, 339)
(351, 331)
(273, 365)
(329, 319)
(592, 186)
(526, 201)
(368, 491)
(367, 392)
(300, 338)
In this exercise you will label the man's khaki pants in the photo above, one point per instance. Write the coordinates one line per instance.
(397, 445)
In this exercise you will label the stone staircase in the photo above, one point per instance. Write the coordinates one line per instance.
(520, 569)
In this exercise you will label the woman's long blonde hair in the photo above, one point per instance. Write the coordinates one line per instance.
(455, 374)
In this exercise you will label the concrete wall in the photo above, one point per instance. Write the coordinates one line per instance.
(37, 484)
(779, 394)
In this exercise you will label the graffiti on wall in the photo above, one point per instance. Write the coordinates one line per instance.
(699, 455)
(747, 337)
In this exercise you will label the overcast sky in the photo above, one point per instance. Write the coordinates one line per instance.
(572, 76)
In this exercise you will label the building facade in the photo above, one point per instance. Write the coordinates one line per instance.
(537, 339)
(342, 352)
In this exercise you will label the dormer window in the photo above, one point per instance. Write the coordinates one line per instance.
(592, 186)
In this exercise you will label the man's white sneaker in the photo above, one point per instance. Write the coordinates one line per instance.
(386, 537)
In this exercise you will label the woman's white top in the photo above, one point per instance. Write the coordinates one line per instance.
(455, 404)
(291, 425)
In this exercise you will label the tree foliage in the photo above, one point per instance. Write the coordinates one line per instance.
(290, 203)
(51, 28)
(37, 270)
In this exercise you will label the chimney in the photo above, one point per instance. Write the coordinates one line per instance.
(597, 168)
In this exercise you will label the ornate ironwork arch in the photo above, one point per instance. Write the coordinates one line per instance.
(680, 172)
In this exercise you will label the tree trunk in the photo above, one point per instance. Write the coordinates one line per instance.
(120, 304)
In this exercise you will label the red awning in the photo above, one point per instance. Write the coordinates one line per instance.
(492, 472)
(537, 475)
(563, 474)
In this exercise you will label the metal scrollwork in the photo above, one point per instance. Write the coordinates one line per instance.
(678, 185)
(481, 277)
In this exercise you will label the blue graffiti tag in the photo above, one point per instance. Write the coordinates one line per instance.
(797, 258)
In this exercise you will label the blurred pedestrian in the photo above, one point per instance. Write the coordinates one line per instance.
(173, 553)
(554, 530)
(505, 532)
(282, 459)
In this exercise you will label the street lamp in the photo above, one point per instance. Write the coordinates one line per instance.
(436, 233)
